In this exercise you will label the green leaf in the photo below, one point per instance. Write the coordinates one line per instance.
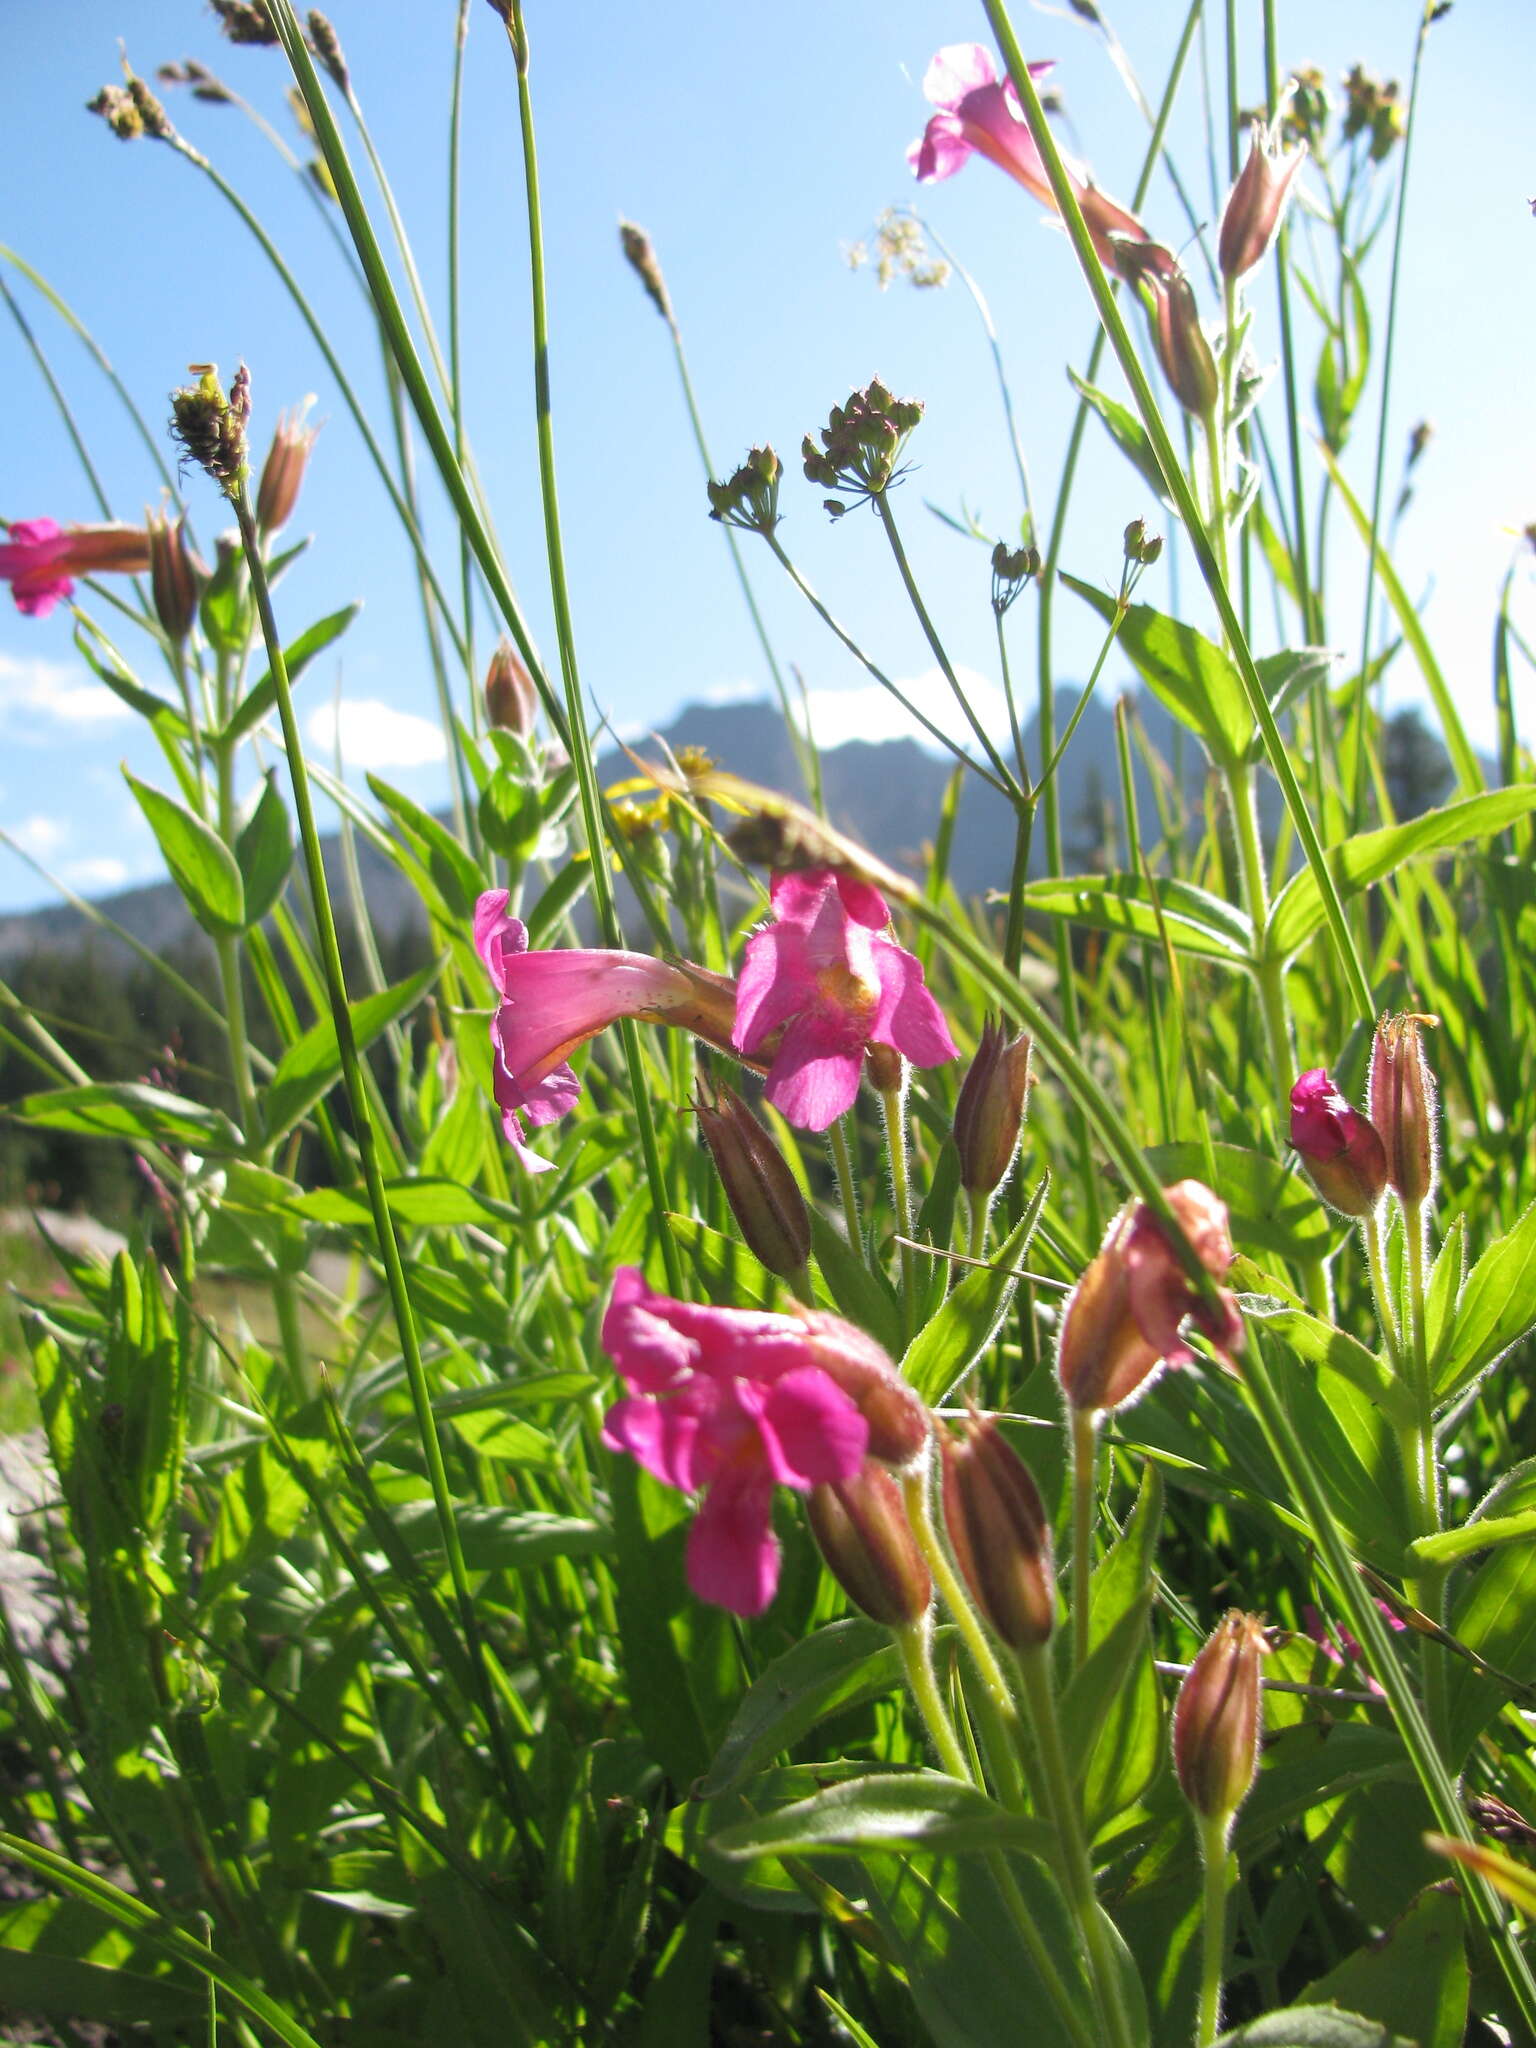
(264, 852)
(1495, 1615)
(1313, 2026)
(1273, 1208)
(312, 1064)
(1442, 1296)
(262, 695)
(162, 715)
(864, 1297)
(201, 865)
(1414, 1979)
(916, 1809)
(1197, 922)
(1320, 1344)
(1111, 1711)
(1286, 677)
(61, 1987)
(558, 899)
(943, 1352)
(1452, 1545)
(133, 1110)
(1187, 673)
(728, 1270)
(1297, 912)
(836, 1668)
(1497, 1309)
(1127, 433)
(453, 873)
(225, 611)
(497, 1539)
(424, 1204)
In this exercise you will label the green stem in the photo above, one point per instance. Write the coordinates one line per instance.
(367, 1148)
(847, 1186)
(1217, 1863)
(1386, 1312)
(1077, 1865)
(1085, 1459)
(1271, 971)
(881, 503)
(1427, 1588)
(915, 1645)
(1183, 498)
(891, 1104)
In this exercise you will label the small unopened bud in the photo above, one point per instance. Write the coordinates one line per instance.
(990, 1109)
(764, 1197)
(863, 1533)
(1401, 1095)
(282, 474)
(176, 577)
(245, 21)
(212, 427)
(641, 257)
(899, 1423)
(511, 702)
(152, 116)
(1341, 1149)
(1183, 350)
(1257, 203)
(1141, 546)
(116, 108)
(1217, 1720)
(1000, 1533)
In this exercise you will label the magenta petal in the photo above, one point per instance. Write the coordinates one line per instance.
(909, 1018)
(815, 1075)
(773, 985)
(512, 1131)
(811, 1430)
(957, 69)
(495, 932)
(552, 1098)
(647, 1350)
(37, 595)
(658, 1435)
(733, 1556)
(863, 903)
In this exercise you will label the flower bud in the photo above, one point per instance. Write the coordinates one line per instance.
(283, 471)
(1122, 1321)
(212, 427)
(1183, 350)
(176, 577)
(861, 1528)
(898, 1420)
(511, 701)
(764, 1196)
(1341, 1149)
(1217, 1720)
(990, 1109)
(1401, 1095)
(1257, 203)
(1000, 1533)
(641, 258)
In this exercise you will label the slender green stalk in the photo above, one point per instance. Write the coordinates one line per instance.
(1427, 1588)
(934, 732)
(1311, 625)
(1271, 972)
(893, 1107)
(574, 724)
(367, 1147)
(1216, 1864)
(881, 502)
(1178, 489)
(455, 343)
(847, 1185)
(1077, 1865)
(1381, 1287)
(1085, 1500)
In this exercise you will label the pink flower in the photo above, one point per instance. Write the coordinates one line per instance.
(827, 972)
(727, 1403)
(1123, 1321)
(1341, 1149)
(39, 557)
(552, 1002)
(979, 112)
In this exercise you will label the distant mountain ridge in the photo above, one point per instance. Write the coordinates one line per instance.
(887, 794)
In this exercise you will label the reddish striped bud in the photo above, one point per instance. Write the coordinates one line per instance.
(1000, 1533)
(764, 1195)
(282, 473)
(511, 702)
(1217, 1719)
(899, 1422)
(1402, 1097)
(989, 1111)
(861, 1528)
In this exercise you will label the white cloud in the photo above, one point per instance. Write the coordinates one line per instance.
(374, 735)
(53, 690)
(869, 712)
(97, 871)
(40, 836)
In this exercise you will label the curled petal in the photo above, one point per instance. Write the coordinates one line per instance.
(954, 71)
(733, 1555)
(811, 1430)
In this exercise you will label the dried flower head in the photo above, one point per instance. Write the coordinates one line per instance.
(245, 21)
(326, 44)
(212, 427)
(641, 258)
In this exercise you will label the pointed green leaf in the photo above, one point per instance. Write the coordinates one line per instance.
(262, 695)
(946, 1348)
(1127, 433)
(1413, 1980)
(1313, 2026)
(917, 1809)
(836, 1668)
(132, 1110)
(264, 852)
(1187, 673)
(1297, 912)
(1497, 1308)
(1197, 921)
(201, 865)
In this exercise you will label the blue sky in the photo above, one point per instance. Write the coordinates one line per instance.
(754, 144)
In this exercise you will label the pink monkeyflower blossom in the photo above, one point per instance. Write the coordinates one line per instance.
(727, 1403)
(980, 112)
(1123, 1322)
(827, 972)
(39, 559)
(552, 1002)
(1341, 1149)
